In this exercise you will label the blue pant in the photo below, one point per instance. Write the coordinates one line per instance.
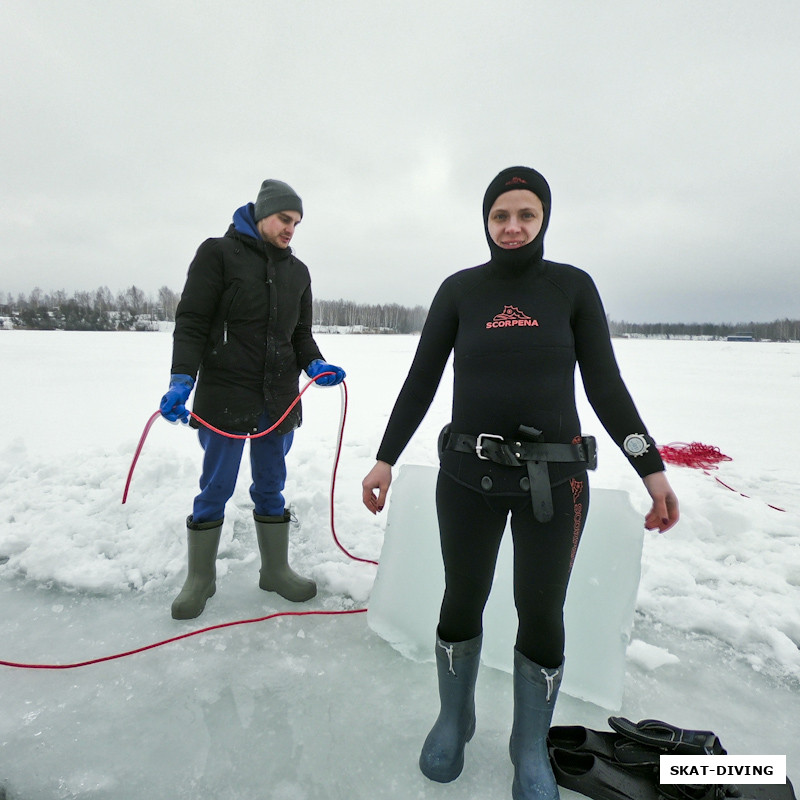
(221, 460)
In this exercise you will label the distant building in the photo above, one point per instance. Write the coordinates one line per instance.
(741, 337)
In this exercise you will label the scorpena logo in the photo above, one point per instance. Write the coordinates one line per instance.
(511, 317)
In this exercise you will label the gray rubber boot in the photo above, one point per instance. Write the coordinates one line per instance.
(442, 756)
(201, 582)
(276, 574)
(535, 693)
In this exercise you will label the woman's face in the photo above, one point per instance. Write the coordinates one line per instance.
(515, 219)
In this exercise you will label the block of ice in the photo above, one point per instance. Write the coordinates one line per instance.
(405, 600)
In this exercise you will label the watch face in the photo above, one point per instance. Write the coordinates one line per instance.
(635, 445)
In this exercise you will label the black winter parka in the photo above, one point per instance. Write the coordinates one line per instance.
(243, 327)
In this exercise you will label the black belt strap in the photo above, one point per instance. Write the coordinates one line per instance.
(541, 496)
(514, 453)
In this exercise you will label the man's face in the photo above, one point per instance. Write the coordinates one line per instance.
(278, 228)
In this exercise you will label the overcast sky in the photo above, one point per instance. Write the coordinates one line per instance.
(669, 132)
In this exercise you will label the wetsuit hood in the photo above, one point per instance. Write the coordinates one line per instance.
(506, 181)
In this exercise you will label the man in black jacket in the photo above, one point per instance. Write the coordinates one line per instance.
(243, 331)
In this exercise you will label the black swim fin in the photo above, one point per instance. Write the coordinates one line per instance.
(669, 738)
(606, 744)
(624, 765)
(582, 740)
(602, 779)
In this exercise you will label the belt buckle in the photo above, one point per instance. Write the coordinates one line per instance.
(479, 444)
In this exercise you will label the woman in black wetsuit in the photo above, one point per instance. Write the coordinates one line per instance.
(517, 325)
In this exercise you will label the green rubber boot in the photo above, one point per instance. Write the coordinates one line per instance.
(201, 582)
(276, 574)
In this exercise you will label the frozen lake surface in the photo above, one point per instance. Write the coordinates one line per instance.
(309, 707)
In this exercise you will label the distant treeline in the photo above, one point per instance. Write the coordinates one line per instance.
(380, 318)
(781, 330)
(100, 310)
(133, 310)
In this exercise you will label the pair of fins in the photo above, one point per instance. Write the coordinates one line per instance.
(623, 764)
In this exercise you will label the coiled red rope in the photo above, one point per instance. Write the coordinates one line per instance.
(700, 456)
(694, 454)
(137, 453)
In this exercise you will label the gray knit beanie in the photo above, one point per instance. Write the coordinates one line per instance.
(276, 196)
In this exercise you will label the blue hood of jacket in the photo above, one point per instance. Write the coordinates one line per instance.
(245, 222)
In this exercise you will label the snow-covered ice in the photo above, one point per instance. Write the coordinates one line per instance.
(308, 707)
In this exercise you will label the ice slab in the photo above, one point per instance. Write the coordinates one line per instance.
(405, 600)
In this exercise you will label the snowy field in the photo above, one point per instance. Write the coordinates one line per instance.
(320, 707)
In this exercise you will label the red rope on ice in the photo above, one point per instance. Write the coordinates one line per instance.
(695, 455)
(700, 456)
(182, 636)
(236, 622)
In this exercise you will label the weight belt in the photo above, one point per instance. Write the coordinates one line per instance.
(533, 455)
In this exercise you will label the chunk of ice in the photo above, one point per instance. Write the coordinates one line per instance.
(598, 614)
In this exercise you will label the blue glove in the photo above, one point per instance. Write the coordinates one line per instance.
(173, 402)
(319, 366)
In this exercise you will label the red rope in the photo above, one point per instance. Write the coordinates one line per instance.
(139, 447)
(237, 622)
(208, 425)
(333, 484)
(258, 435)
(178, 638)
(700, 456)
(722, 483)
(695, 455)
(264, 433)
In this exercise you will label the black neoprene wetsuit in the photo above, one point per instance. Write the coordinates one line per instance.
(517, 326)
(516, 333)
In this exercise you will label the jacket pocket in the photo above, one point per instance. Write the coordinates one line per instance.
(220, 332)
